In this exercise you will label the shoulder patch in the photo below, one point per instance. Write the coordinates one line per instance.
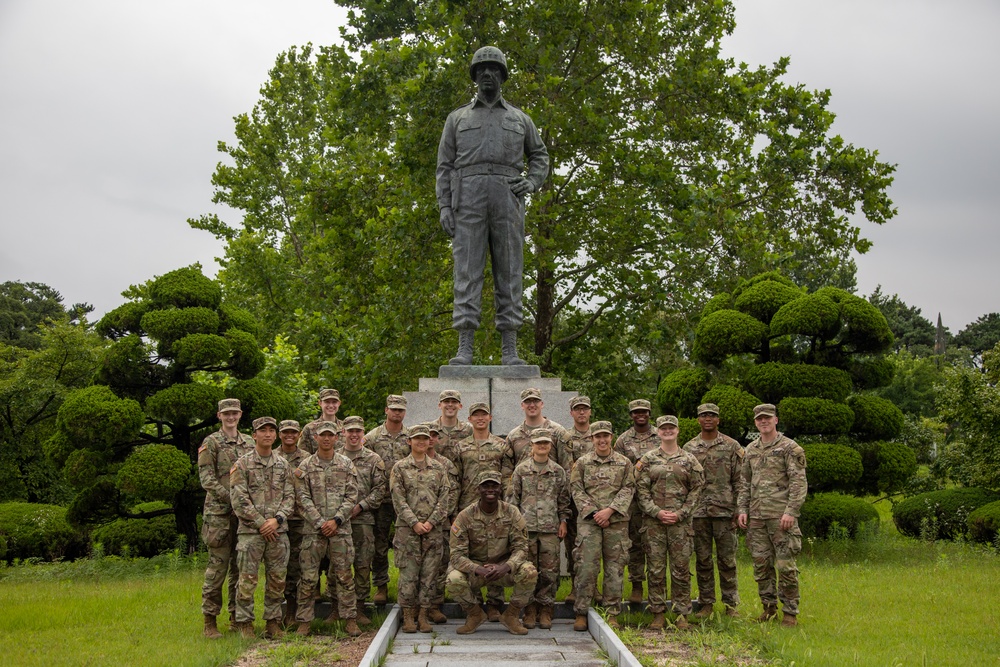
(203, 448)
(639, 465)
(298, 473)
(233, 469)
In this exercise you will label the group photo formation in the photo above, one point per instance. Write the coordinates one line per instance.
(600, 333)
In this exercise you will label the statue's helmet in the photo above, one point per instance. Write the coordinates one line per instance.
(488, 54)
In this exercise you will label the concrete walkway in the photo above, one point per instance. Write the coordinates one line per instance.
(492, 645)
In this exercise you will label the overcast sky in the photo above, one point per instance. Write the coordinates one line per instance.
(111, 110)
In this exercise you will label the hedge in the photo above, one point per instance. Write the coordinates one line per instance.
(875, 418)
(725, 333)
(735, 408)
(984, 523)
(143, 537)
(774, 382)
(814, 416)
(822, 510)
(945, 513)
(832, 467)
(680, 392)
(889, 466)
(38, 531)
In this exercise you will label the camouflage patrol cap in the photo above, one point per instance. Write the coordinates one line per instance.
(487, 476)
(395, 402)
(542, 435)
(663, 420)
(638, 404)
(601, 427)
(450, 395)
(434, 428)
(708, 407)
(419, 430)
(354, 422)
(230, 405)
(479, 407)
(289, 425)
(327, 427)
(326, 393)
(579, 400)
(766, 409)
(261, 422)
(530, 393)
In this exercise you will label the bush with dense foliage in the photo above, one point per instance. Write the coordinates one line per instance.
(735, 409)
(814, 416)
(940, 514)
(875, 418)
(774, 382)
(984, 523)
(38, 531)
(822, 510)
(889, 466)
(142, 537)
(680, 392)
(831, 467)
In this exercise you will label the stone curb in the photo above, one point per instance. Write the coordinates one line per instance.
(380, 644)
(617, 652)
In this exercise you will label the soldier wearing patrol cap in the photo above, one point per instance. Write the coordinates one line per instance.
(772, 489)
(329, 404)
(288, 433)
(580, 442)
(434, 613)
(388, 440)
(451, 430)
(714, 518)
(519, 438)
(263, 499)
(489, 544)
(216, 456)
(633, 443)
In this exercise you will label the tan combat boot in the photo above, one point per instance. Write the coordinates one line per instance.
(211, 630)
(423, 624)
(580, 625)
(409, 619)
(681, 622)
(362, 619)
(246, 629)
(704, 612)
(334, 615)
(232, 622)
(434, 614)
(732, 613)
(351, 627)
(511, 619)
(492, 613)
(381, 595)
(272, 629)
(302, 630)
(474, 617)
(636, 596)
(545, 617)
(768, 614)
(530, 612)
(659, 621)
(613, 622)
(291, 608)
(789, 620)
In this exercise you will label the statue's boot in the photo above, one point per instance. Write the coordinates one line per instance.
(508, 348)
(464, 355)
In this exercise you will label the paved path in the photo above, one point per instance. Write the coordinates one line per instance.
(492, 645)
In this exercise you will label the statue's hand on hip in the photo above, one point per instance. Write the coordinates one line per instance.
(448, 221)
(520, 185)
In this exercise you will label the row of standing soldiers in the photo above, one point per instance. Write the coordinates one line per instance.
(645, 502)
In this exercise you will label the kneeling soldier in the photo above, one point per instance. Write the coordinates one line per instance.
(489, 545)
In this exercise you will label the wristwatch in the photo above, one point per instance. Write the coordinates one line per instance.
(280, 519)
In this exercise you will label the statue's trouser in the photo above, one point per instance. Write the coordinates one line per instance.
(488, 215)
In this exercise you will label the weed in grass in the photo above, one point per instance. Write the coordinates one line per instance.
(416, 648)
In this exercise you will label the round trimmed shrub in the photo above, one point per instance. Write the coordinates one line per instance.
(185, 288)
(143, 537)
(735, 408)
(832, 467)
(765, 298)
(122, 320)
(814, 416)
(866, 327)
(812, 315)
(680, 392)
(247, 359)
(688, 428)
(261, 399)
(984, 523)
(718, 302)
(201, 350)
(154, 472)
(184, 403)
(170, 325)
(38, 531)
(940, 514)
(774, 382)
(82, 468)
(889, 466)
(822, 510)
(95, 417)
(727, 332)
(872, 373)
(875, 418)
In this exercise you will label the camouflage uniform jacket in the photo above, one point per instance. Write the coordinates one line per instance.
(392, 448)
(307, 439)
(420, 492)
(633, 445)
(478, 538)
(294, 459)
(475, 456)
(722, 461)
(577, 444)
(455, 488)
(373, 483)
(261, 490)
(449, 438)
(774, 479)
(597, 483)
(326, 492)
(542, 495)
(216, 457)
(671, 482)
(519, 443)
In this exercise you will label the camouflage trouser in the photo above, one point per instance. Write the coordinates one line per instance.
(339, 548)
(723, 533)
(466, 588)
(363, 535)
(251, 549)
(675, 542)
(593, 543)
(294, 546)
(442, 574)
(418, 558)
(771, 547)
(219, 534)
(637, 552)
(543, 552)
(385, 517)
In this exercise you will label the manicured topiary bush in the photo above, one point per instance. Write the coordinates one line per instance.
(735, 408)
(765, 298)
(725, 333)
(680, 392)
(822, 510)
(832, 467)
(774, 382)
(814, 416)
(39, 531)
(810, 315)
(142, 537)
(154, 472)
(889, 466)
(940, 514)
(875, 418)
(984, 523)
(872, 373)
(688, 428)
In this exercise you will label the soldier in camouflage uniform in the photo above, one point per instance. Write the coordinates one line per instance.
(772, 490)
(288, 432)
(519, 438)
(329, 404)
(580, 442)
(216, 456)
(420, 490)
(602, 484)
(326, 489)
(434, 613)
(668, 483)
(263, 499)
(388, 440)
(633, 443)
(489, 544)
(721, 457)
(451, 430)
(373, 487)
(539, 488)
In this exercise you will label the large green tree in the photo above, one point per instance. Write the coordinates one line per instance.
(26, 307)
(910, 329)
(981, 335)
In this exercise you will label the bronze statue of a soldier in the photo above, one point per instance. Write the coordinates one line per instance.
(480, 192)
